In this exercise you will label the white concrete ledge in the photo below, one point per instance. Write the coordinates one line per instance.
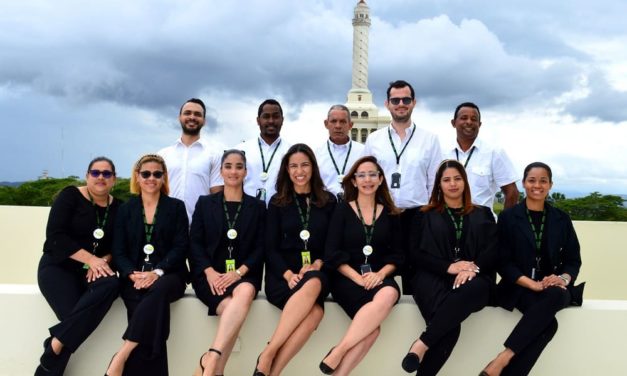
(589, 340)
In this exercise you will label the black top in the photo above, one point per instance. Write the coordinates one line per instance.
(208, 240)
(71, 223)
(433, 241)
(170, 237)
(283, 227)
(517, 249)
(347, 238)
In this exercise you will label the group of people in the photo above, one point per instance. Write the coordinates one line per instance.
(343, 219)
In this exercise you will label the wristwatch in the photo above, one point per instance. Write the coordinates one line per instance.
(159, 272)
(238, 273)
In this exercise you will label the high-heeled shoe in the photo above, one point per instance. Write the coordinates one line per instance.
(411, 361)
(257, 372)
(201, 368)
(325, 367)
(483, 373)
(111, 361)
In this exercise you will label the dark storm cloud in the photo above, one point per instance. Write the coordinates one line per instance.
(603, 102)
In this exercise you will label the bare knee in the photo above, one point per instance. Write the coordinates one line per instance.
(245, 291)
(387, 295)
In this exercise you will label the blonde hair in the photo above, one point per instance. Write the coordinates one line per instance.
(165, 187)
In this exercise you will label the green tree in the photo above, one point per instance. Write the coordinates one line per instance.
(595, 207)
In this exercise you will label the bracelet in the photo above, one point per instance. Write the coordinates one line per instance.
(238, 273)
(566, 280)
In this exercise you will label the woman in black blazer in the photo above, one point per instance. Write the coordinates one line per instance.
(74, 273)
(453, 253)
(149, 249)
(226, 257)
(296, 230)
(364, 250)
(539, 260)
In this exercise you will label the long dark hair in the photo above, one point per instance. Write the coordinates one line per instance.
(436, 201)
(285, 187)
(382, 195)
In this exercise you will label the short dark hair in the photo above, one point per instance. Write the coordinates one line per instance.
(340, 107)
(538, 165)
(398, 84)
(271, 102)
(466, 104)
(101, 159)
(198, 102)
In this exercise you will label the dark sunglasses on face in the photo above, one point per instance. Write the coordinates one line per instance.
(105, 173)
(405, 100)
(146, 174)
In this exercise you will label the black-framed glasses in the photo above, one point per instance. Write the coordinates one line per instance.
(146, 174)
(105, 173)
(405, 100)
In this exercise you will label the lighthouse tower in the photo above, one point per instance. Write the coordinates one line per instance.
(364, 114)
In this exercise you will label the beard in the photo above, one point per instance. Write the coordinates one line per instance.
(401, 119)
(191, 131)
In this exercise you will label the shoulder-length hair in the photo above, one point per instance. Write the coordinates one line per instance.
(436, 201)
(382, 195)
(285, 187)
(165, 187)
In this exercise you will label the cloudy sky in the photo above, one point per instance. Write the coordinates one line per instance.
(85, 78)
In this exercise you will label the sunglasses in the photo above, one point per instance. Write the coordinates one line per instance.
(146, 174)
(105, 173)
(405, 100)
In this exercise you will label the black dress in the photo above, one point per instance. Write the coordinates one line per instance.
(209, 243)
(148, 310)
(345, 246)
(433, 241)
(284, 247)
(80, 306)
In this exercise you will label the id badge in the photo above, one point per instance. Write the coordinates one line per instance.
(85, 266)
(533, 273)
(147, 267)
(305, 257)
(261, 194)
(396, 180)
(230, 265)
(365, 268)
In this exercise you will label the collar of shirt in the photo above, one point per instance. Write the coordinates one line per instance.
(265, 145)
(339, 148)
(198, 143)
(396, 137)
(476, 145)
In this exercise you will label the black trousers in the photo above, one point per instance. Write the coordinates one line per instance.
(80, 306)
(444, 326)
(148, 313)
(535, 329)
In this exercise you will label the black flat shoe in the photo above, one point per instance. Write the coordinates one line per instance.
(324, 367)
(256, 372)
(111, 361)
(483, 373)
(411, 361)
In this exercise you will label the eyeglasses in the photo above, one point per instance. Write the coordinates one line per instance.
(146, 174)
(105, 173)
(371, 174)
(396, 101)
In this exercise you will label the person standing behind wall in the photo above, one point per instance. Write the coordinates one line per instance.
(194, 168)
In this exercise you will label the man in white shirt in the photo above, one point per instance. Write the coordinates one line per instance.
(264, 152)
(337, 155)
(193, 169)
(488, 168)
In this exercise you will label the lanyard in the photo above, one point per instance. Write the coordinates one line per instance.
(398, 156)
(366, 227)
(304, 219)
(106, 214)
(230, 224)
(537, 234)
(263, 159)
(148, 228)
(350, 146)
(459, 225)
(472, 150)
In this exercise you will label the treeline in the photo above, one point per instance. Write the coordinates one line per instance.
(594, 207)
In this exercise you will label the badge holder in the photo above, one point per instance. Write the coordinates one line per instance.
(98, 234)
(305, 255)
(148, 250)
(261, 194)
(396, 180)
(365, 267)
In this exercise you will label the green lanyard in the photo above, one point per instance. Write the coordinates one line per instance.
(106, 214)
(350, 146)
(398, 156)
(537, 234)
(459, 226)
(368, 230)
(472, 150)
(304, 219)
(230, 224)
(148, 228)
(263, 159)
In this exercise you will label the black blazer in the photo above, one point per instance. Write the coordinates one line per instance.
(517, 249)
(170, 237)
(208, 228)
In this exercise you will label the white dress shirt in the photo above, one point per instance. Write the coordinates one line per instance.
(417, 165)
(488, 169)
(343, 162)
(192, 171)
(254, 165)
